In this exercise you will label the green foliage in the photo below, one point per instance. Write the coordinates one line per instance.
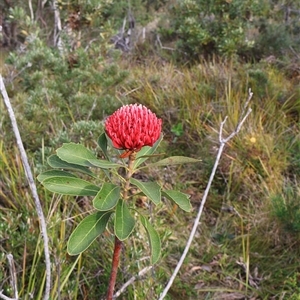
(274, 39)
(20, 236)
(207, 27)
(286, 208)
(68, 185)
(151, 189)
(75, 154)
(145, 152)
(50, 90)
(258, 80)
(179, 198)
(246, 28)
(87, 231)
(55, 162)
(173, 160)
(294, 158)
(124, 222)
(292, 283)
(177, 129)
(135, 9)
(54, 98)
(198, 97)
(154, 239)
(107, 200)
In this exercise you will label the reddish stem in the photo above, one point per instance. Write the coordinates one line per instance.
(118, 243)
(114, 269)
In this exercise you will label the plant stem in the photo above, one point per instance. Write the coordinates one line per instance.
(114, 268)
(130, 172)
(118, 243)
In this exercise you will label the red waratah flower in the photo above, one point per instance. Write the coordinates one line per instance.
(132, 127)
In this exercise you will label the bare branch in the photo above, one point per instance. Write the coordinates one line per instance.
(31, 10)
(13, 279)
(32, 186)
(5, 297)
(131, 281)
(44, 3)
(13, 276)
(57, 40)
(222, 142)
(244, 115)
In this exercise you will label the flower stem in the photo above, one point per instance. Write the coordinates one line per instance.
(130, 172)
(114, 268)
(118, 243)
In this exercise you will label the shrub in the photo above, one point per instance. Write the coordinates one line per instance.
(251, 29)
(215, 26)
(49, 89)
(286, 208)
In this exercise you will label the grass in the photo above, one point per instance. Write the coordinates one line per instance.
(242, 247)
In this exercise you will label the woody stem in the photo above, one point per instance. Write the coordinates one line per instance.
(114, 268)
(118, 243)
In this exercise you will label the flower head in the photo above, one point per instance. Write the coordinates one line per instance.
(132, 127)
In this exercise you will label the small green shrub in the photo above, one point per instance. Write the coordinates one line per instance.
(294, 159)
(211, 27)
(274, 39)
(251, 29)
(258, 80)
(47, 90)
(292, 283)
(286, 208)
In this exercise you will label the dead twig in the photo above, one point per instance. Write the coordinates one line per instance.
(32, 186)
(132, 280)
(13, 275)
(13, 279)
(5, 297)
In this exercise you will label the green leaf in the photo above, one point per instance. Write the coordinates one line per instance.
(151, 189)
(70, 186)
(107, 197)
(102, 142)
(103, 164)
(173, 160)
(75, 154)
(54, 173)
(154, 240)
(87, 231)
(181, 199)
(124, 222)
(55, 162)
(145, 152)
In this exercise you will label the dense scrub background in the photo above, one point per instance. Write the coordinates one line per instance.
(68, 65)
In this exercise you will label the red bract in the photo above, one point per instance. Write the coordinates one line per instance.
(132, 127)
